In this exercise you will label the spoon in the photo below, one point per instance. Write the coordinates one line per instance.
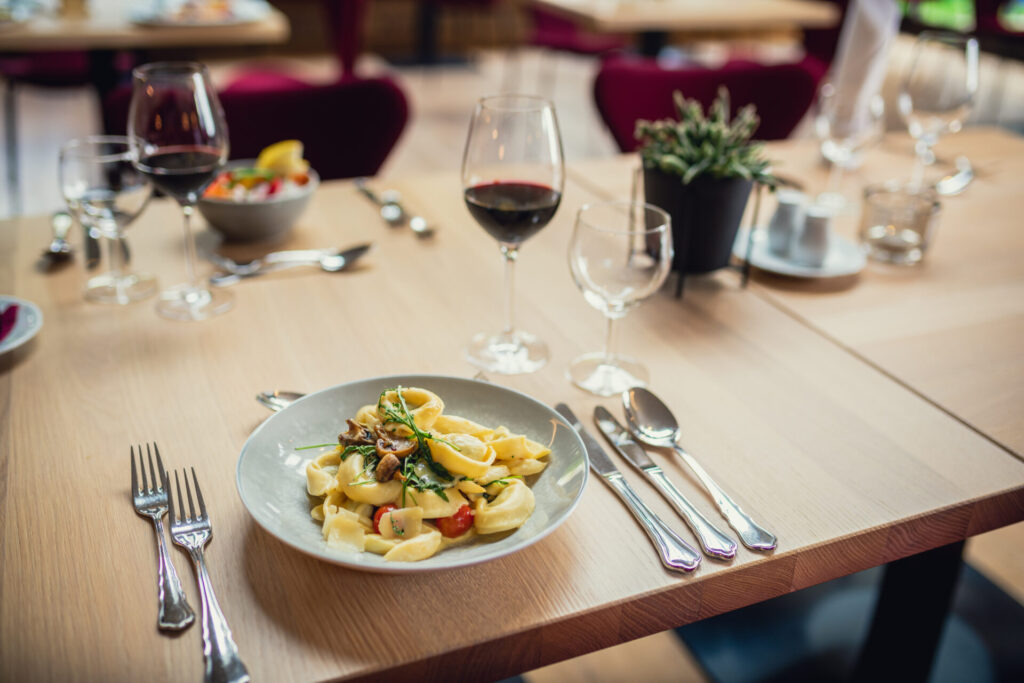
(652, 422)
(418, 224)
(59, 250)
(330, 262)
(957, 182)
(278, 400)
(389, 202)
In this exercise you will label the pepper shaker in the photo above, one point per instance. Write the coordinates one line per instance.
(812, 244)
(786, 222)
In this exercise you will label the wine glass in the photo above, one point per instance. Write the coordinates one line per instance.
(179, 138)
(937, 91)
(846, 124)
(103, 189)
(512, 179)
(620, 253)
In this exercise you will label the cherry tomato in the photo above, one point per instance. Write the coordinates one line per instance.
(380, 513)
(457, 524)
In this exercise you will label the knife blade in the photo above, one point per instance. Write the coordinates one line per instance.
(712, 540)
(675, 553)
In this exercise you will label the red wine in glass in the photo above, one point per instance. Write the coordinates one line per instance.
(512, 212)
(181, 171)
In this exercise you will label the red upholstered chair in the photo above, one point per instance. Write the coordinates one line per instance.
(627, 89)
(348, 128)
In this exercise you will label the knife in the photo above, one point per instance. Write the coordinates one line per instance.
(676, 554)
(713, 541)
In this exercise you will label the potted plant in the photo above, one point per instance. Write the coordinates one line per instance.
(700, 169)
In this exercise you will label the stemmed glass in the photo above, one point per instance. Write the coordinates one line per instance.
(846, 125)
(104, 190)
(179, 138)
(936, 96)
(512, 179)
(620, 253)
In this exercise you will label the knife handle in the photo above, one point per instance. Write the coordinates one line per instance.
(713, 541)
(752, 535)
(676, 554)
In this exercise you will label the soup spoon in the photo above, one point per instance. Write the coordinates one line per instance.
(278, 400)
(652, 422)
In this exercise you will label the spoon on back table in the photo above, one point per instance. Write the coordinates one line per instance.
(652, 422)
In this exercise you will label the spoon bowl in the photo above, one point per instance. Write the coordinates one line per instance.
(278, 400)
(419, 225)
(59, 250)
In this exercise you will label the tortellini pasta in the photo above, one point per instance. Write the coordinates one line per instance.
(408, 480)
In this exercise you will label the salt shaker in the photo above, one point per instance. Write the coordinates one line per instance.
(786, 221)
(812, 244)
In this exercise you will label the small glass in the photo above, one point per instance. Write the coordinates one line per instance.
(898, 222)
(105, 191)
(620, 253)
(847, 125)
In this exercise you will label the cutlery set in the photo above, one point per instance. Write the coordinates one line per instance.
(155, 498)
(651, 422)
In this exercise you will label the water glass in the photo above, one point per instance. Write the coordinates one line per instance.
(620, 253)
(898, 222)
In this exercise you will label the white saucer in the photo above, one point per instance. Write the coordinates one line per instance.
(28, 322)
(845, 257)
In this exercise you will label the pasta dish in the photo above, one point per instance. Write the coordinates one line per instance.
(408, 480)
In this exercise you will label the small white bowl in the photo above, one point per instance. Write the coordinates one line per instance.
(256, 221)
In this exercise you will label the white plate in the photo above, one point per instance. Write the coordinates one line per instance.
(844, 258)
(271, 474)
(28, 322)
(242, 12)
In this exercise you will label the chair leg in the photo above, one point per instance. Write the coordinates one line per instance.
(11, 143)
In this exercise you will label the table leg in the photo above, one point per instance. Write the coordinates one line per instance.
(913, 604)
(426, 29)
(11, 135)
(651, 42)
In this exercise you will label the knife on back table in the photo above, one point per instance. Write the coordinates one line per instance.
(676, 554)
(714, 542)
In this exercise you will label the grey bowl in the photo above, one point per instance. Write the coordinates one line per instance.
(267, 220)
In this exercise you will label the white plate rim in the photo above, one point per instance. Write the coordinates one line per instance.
(739, 250)
(12, 342)
(499, 550)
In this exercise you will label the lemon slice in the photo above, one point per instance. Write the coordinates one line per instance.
(283, 157)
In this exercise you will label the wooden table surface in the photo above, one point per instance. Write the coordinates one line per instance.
(628, 16)
(108, 27)
(848, 466)
(949, 328)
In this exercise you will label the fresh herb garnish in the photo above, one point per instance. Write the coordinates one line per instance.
(399, 531)
(362, 483)
(400, 414)
(319, 445)
(365, 451)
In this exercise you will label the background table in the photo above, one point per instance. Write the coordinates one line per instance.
(848, 466)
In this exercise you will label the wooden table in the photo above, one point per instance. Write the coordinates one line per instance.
(108, 27)
(653, 19)
(850, 466)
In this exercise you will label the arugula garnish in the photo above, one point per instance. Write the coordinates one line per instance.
(366, 451)
(400, 414)
(319, 445)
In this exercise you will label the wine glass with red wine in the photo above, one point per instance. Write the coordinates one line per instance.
(179, 141)
(512, 179)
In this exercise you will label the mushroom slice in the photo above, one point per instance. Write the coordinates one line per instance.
(394, 445)
(357, 435)
(387, 467)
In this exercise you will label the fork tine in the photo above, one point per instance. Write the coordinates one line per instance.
(142, 466)
(199, 495)
(188, 490)
(152, 471)
(134, 475)
(160, 464)
(170, 494)
(181, 505)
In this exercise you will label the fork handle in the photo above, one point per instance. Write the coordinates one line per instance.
(223, 665)
(175, 612)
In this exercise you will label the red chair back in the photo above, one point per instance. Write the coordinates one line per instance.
(347, 128)
(627, 89)
(345, 30)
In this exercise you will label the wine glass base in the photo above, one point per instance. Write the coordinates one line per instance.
(603, 376)
(185, 302)
(121, 290)
(514, 354)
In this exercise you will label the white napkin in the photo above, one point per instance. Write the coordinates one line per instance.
(859, 67)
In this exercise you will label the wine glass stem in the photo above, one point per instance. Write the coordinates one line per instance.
(510, 254)
(835, 178)
(115, 265)
(190, 248)
(609, 339)
(925, 157)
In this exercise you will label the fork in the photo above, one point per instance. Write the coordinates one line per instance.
(192, 532)
(151, 501)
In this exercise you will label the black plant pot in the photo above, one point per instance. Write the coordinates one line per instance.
(705, 215)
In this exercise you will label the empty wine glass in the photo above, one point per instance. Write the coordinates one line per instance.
(106, 192)
(177, 130)
(620, 253)
(846, 123)
(937, 91)
(512, 179)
